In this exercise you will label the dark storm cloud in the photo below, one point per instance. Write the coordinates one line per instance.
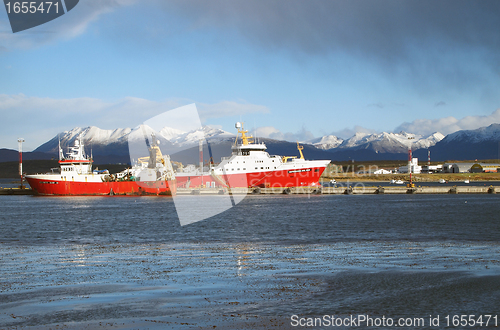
(387, 30)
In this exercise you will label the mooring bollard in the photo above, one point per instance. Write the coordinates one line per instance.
(411, 190)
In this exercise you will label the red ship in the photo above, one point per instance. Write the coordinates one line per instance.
(152, 175)
(251, 166)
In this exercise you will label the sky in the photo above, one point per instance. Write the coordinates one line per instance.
(289, 69)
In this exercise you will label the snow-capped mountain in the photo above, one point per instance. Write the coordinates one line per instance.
(170, 133)
(113, 145)
(97, 138)
(326, 142)
(192, 138)
(381, 142)
(482, 134)
(481, 143)
(94, 135)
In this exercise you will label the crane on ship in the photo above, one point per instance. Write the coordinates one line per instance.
(299, 148)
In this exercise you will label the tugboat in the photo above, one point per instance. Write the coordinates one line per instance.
(151, 175)
(251, 166)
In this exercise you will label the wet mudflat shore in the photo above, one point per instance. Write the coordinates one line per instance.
(238, 285)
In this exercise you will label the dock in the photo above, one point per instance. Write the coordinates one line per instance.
(16, 191)
(351, 190)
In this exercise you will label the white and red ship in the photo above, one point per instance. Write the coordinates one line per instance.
(151, 175)
(250, 165)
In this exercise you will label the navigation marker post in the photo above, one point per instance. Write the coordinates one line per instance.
(20, 141)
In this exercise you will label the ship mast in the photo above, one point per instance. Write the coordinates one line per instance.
(245, 140)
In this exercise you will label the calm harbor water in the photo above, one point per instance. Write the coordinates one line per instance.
(126, 263)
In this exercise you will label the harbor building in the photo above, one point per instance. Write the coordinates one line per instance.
(415, 168)
(485, 168)
(432, 169)
(457, 167)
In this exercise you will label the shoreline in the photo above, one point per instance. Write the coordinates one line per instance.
(227, 285)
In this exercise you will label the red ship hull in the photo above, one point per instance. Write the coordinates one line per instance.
(304, 177)
(71, 188)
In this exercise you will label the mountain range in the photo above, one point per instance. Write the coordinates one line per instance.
(382, 142)
(481, 143)
(112, 146)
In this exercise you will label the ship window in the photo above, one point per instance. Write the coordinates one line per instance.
(256, 168)
(238, 168)
(244, 169)
(316, 170)
(261, 168)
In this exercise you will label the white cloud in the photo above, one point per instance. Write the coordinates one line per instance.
(349, 132)
(449, 125)
(70, 25)
(274, 133)
(268, 132)
(39, 119)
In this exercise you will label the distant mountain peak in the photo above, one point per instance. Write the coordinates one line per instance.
(379, 142)
(96, 136)
(326, 142)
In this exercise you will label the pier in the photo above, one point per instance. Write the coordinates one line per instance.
(350, 190)
(16, 191)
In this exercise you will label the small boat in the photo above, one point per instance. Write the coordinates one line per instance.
(392, 181)
(466, 181)
(399, 182)
(331, 183)
(442, 181)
